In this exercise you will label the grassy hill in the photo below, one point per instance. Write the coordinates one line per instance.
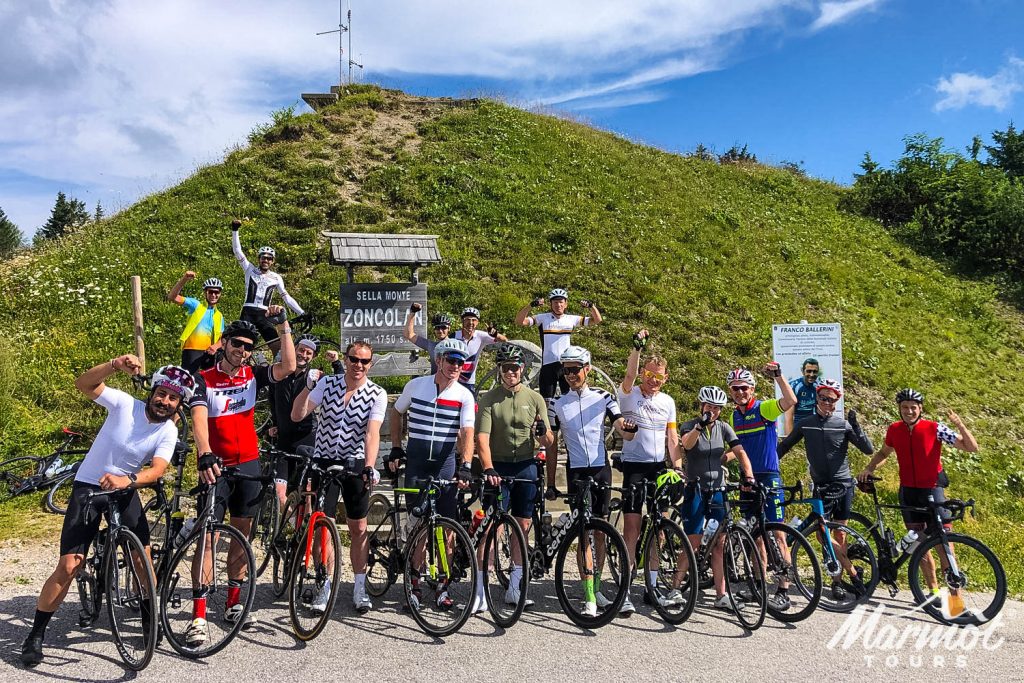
(707, 256)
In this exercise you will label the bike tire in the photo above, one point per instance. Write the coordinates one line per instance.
(457, 574)
(124, 558)
(264, 531)
(860, 554)
(987, 570)
(562, 588)
(504, 535)
(180, 568)
(284, 548)
(307, 582)
(803, 571)
(59, 495)
(668, 543)
(743, 570)
(382, 546)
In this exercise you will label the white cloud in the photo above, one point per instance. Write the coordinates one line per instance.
(831, 13)
(122, 97)
(961, 89)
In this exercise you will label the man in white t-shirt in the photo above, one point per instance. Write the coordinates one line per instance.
(643, 458)
(475, 342)
(350, 410)
(134, 433)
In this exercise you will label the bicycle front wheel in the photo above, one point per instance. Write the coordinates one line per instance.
(744, 578)
(59, 495)
(131, 599)
(284, 546)
(440, 576)
(590, 595)
(802, 572)
(207, 591)
(505, 580)
(382, 544)
(670, 572)
(265, 527)
(842, 590)
(968, 570)
(313, 586)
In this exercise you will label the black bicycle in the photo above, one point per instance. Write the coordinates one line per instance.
(972, 575)
(120, 569)
(27, 473)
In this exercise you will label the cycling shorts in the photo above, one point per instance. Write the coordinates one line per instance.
(837, 508)
(922, 520)
(550, 379)
(82, 520)
(637, 473)
(521, 497)
(258, 317)
(240, 497)
(695, 510)
(600, 498)
(772, 502)
(353, 491)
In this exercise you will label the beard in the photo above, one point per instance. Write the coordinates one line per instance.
(153, 415)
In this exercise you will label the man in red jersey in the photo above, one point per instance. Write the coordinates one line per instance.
(228, 390)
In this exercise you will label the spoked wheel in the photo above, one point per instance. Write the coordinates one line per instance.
(380, 572)
(802, 572)
(440, 576)
(976, 585)
(13, 474)
(208, 591)
(284, 546)
(587, 591)
(673, 590)
(842, 591)
(265, 528)
(90, 595)
(744, 578)
(505, 580)
(313, 586)
(131, 599)
(59, 495)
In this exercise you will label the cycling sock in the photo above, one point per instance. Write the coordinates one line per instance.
(234, 596)
(516, 575)
(653, 576)
(588, 590)
(199, 608)
(39, 624)
(360, 583)
(597, 584)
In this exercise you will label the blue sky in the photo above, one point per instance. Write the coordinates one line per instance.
(112, 99)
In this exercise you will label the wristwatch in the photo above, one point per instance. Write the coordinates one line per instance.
(132, 477)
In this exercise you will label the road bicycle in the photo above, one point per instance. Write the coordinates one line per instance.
(119, 568)
(971, 574)
(850, 567)
(27, 473)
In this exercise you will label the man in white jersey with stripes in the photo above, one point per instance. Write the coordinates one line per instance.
(350, 410)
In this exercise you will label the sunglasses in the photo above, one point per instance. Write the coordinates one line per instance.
(239, 344)
(511, 367)
(660, 376)
(453, 360)
(827, 400)
(574, 370)
(362, 361)
(740, 388)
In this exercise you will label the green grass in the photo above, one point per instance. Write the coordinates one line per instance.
(706, 256)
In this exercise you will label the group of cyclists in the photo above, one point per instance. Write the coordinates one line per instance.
(439, 425)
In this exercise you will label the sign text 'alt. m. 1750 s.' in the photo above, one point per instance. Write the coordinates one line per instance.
(376, 313)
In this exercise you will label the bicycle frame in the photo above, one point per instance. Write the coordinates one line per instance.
(816, 522)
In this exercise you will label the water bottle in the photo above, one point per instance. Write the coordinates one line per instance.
(186, 529)
(710, 527)
(545, 527)
(562, 521)
(796, 522)
(478, 517)
(54, 466)
(908, 542)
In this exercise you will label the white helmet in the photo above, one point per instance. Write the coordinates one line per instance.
(213, 283)
(831, 385)
(470, 312)
(176, 379)
(558, 293)
(740, 376)
(266, 251)
(712, 396)
(575, 354)
(451, 347)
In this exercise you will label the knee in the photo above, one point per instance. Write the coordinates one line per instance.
(67, 568)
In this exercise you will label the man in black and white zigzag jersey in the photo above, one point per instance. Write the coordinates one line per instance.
(350, 410)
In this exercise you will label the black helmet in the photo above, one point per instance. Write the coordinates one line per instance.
(909, 394)
(241, 328)
(441, 320)
(510, 353)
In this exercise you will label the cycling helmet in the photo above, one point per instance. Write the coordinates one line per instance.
(669, 477)
(241, 328)
(558, 293)
(575, 354)
(470, 312)
(712, 396)
(441, 320)
(213, 283)
(740, 376)
(509, 353)
(176, 379)
(831, 385)
(909, 394)
(451, 347)
(266, 251)
(309, 341)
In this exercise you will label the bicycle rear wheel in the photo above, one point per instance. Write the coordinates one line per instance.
(381, 541)
(803, 571)
(313, 585)
(672, 589)
(59, 495)
(744, 572)
(590, 598)
(202, 608)
(284, 546)
(506, 581)
(979, 580)
(131, 599)
(440, 576)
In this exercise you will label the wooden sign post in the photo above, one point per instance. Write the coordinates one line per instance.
(140, 344)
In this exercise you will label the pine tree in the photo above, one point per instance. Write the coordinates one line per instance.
(10, 236)
(1008, 152)
(66, 215)
(98, 215)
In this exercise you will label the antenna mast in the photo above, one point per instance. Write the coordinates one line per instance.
(341, 31)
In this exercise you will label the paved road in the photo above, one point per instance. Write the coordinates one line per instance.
(387, 645)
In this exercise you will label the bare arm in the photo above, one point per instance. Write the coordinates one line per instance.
(877, 460)
(372, 442)
(741, 455)
(484, 445)
(286, 365)
(595, 315)
(91, 381)
(397, 427)
(301, 406)
(966, 442)
(410, 327)
(523, 316)
(632, 366)
(620, 426)
(466, 445)
(690, 438)
(788, 399)
(201, 428)
(674, 454)
(145, 477)
(175, 293)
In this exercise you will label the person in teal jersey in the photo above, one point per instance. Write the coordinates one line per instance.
(804, 387)
(200, 339)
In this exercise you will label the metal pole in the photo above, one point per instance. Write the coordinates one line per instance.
(341, 48)
(350, 42)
